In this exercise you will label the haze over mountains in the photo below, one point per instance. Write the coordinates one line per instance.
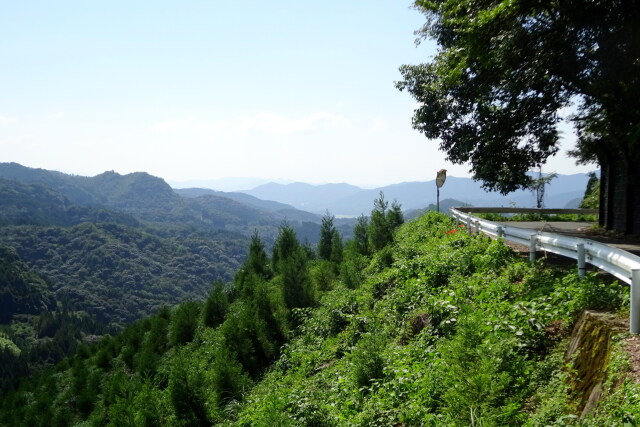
(275, 201)
(291, 201)
(565, 191)
(343, 199)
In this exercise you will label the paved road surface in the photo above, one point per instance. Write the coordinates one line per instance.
(578, 229)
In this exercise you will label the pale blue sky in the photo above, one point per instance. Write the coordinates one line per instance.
(186, 90)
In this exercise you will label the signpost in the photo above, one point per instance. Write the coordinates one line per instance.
(441, 177)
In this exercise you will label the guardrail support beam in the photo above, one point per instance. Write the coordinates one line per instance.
(500, 231)
(581, 260)
(634, 321)
(532, 247)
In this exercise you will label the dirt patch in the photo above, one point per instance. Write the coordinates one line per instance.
(517, 247)
(631, 345)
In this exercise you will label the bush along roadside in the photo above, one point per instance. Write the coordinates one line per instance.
(458, 330)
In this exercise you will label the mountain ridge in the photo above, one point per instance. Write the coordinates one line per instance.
(150, 198)
(295, 201)
(355, 201)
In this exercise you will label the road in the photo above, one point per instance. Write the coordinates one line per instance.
(578, 229)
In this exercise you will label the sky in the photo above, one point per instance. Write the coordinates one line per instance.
(202, 90)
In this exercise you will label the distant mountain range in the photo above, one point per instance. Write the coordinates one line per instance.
(151, 198)
(230, 184)
(565, 191)
(145, 198)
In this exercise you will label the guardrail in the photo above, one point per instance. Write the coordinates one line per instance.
(621, 264)
(473, 209)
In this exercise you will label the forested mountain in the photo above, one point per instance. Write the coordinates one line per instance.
(119, 274)
(151, 199)
(36, 328)
(39, 204)
(21, 290)
(97, 253)
(429, 326)
(120, 247)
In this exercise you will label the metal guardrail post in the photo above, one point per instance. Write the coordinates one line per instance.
(581, 257)
(634, 320)
(500, 232)
(469, 229)
(532, 247)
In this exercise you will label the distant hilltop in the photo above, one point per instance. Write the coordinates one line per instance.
(565, 191)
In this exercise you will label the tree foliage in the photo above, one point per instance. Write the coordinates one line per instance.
(327, 230)
(494, 92)
(591, 199)
(216, 305)
(383, 222)
(21, 290)
(361, 235)
(186, 391)
(256, 268)
(185, 320)
(290, 263)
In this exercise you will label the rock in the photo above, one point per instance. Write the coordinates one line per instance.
(589, 351)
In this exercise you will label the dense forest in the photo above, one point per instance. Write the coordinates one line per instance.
(82, 257)
(405, 324)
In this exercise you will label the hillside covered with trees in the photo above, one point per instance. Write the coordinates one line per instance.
(121, 247)
(414, 324)
(86, 256)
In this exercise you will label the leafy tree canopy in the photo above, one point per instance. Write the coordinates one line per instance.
(493, 93)
(384, 222)
(330, 243)
(591, 199)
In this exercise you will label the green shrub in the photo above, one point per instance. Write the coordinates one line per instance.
(216, 305)
(482, 374)
(367, 360)
(184, 322)
(187, 393)
(323, 274)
